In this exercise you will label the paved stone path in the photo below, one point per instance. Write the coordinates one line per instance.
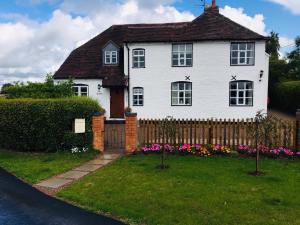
(56, 183)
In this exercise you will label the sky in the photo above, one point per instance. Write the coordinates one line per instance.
(36, 36)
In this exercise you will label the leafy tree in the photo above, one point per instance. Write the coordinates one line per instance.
(47, 89)
(5, 87)
(273, 46)
(294, 61)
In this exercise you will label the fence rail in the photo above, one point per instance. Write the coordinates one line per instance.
(226, 132)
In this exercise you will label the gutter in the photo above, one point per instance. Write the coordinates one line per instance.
(128, 73)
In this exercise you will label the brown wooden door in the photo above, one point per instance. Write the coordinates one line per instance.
(117, 103)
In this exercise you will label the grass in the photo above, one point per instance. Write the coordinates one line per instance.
(193, 190)
(34, 167)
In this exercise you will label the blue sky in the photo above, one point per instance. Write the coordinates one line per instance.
(277, 17)
(37, 35)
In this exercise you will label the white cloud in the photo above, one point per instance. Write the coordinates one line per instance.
(255, 23)
(292, 5)
(30, 49)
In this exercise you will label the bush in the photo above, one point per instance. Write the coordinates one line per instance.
(45, 125)
(286, 95)
(40, 90)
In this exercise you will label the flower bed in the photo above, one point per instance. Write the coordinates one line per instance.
(268, 152)
(187, 149)
(209, 150)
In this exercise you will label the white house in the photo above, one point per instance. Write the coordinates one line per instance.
(210, 67)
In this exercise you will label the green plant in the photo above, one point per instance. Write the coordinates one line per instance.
(48, 89)
(286, 95)
(44, 124)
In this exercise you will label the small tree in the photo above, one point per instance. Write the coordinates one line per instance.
(264, 133)
(168, 135)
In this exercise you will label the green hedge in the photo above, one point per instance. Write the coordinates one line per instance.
(45, 125)
(286, 96)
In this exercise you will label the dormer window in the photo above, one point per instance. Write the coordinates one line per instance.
(111, 54)
(111, 57)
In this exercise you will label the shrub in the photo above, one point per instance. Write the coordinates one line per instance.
(40, 90)
(286, 95)
(44, 125)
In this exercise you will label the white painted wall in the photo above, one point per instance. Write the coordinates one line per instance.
(210, 75)
(103, 97)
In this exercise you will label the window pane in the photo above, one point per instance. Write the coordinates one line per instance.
(250, 61)
(248, 93)
(175, 48)
(233, 101)
(241, 85)
(142, 64)
(189, 47)
(242, 61)
(189, 62)
(234, 54)
(233, 85)
(241, 94)
(242, 54)
(249, 101)
(241, 101)
(182, 48)
(188, 86)
(233, 94)
(174, 94)
(249, 85)
(181, 86)
(250, 46)
(234, 46)
(234, 61)
(188, 101)
(83, 89)
(242, 46)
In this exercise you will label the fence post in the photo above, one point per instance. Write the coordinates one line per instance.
(98, 131)
(298, 130)
(130, 132)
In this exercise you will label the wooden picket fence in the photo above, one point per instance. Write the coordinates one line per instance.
(225, 132)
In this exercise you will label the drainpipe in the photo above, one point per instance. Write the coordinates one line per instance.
(128, 67)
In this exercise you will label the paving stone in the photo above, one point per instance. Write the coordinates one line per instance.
(54, 182)
(73, 174)
(110, 156)
(88, 168)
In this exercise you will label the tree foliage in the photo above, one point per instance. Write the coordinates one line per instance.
(47, 89)
(273, 46)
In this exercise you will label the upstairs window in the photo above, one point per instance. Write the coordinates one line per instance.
(181, 94)
(81, 90)
(138, 96)
(111, 57)
(182, 55)
(138, 58)
(242, 54)
(241, 93)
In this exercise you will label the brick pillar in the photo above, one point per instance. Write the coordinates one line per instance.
(130, 132)
(298, 130)
(98, 131)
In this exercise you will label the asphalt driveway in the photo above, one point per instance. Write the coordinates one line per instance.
(20, 204)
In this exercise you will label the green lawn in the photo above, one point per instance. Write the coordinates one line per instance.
(34, 167)
(193, 190)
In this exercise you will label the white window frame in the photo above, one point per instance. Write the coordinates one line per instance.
(243, 56)
(180, 92)
(80, 92)
(138, 96)
(241, 91)
(138, 58)
(180, 54)
(111, 57)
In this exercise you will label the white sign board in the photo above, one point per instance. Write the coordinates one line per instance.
(79, 126)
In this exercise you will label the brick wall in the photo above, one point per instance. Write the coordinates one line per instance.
(130, 133)
(298, 130)
(98, 132)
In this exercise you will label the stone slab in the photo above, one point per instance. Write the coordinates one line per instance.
(110, 156)
(88, 168)
(73, 175)
(54, 182)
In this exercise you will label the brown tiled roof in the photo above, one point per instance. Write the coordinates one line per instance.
(85, 62)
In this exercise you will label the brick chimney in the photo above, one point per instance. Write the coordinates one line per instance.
(213, 7)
